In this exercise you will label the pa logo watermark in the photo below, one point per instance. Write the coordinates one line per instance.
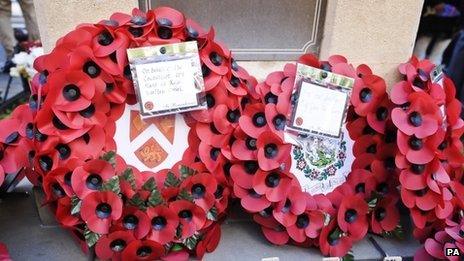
(452, 252)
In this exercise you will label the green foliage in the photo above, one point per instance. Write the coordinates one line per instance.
(184, 194)
(112, 185)
(75, 205)
(110, 156)
(179, 231)
(128, 175)
(349, 256)
(90, 237)
(398, 233)
(186, 172)
(138, 202)
(191, 242)
(149, 185)
(171, 180)
(155, 198)
(212, 214)
(176, 247)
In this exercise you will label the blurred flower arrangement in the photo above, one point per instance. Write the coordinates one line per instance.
(24, 61)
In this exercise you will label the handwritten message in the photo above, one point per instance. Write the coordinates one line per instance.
(166, 85)
(320, 109)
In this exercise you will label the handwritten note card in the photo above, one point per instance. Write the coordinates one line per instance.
(166, 85)
(320, 109)
(167, 78)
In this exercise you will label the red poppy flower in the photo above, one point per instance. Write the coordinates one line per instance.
(216, 57)
(363, 161)
(385, 216)
(378, 119)
(276, 120)
(362, 182)
(234, 85)
(111, 246)
(419, 151)
(435, 246)
(202, 186)
(142, 250)
(92, 115)
(99, 209)
(208, 133)
(272, 151)
(48, 63)
(226, 119)
(416, 71)
(242, 173)
(422, 118)
(164, 222)
(359, 127)
(24, 114)
(401, 91)
(222, 195)
(275, 185)
(70, 91)
(57, 184)
(49, 124)
(450, 149)
(211, 156)
(310, 60)
(253, 120)
(86, 147)
(138, 26)
(210, 241)
(425, 199)
(368, 92)
(277, 236)
(191, 217)
(413, 178)
(250, 199)
(170, 23)
(421, 218)
(308, 223)
(63, 213)
(352, 217)
(343, 68)
(135, 221)
(211, 79)
(367, 144)
(91, 176)
(4, 253)
(84, 59)
(287, 210)
(213, 98)
(334, 242)
(245, 149)
(454, 231)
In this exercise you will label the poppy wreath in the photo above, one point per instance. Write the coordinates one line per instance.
(16, 144)
(266, 187)
(65, 138)
(430, 157)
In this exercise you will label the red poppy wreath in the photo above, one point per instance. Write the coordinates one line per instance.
(83, 94)
(268, 179)
(430, 157)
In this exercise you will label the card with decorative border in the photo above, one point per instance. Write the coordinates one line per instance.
(167, 78)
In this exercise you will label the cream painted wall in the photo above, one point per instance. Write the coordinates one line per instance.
(57, 17)
(380, 33)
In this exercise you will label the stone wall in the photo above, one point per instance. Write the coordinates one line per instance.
(377, 32)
